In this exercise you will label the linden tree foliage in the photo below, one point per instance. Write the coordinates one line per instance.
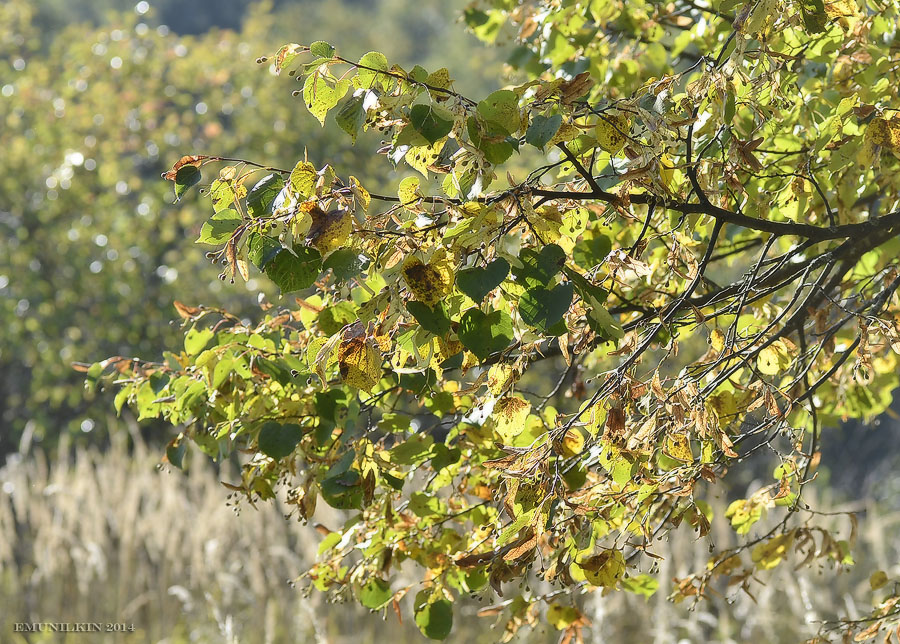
(670, 245)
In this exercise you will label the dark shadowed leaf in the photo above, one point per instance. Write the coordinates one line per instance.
(277, 441)
(485, 334)
(477, 282)
(541, 308)
(186, 177)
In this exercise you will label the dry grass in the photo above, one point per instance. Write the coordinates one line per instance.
(106, 537)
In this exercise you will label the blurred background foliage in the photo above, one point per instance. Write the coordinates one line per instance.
(97, 99)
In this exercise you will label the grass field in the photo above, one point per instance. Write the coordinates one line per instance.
(91, 536)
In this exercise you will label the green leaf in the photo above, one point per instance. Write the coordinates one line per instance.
(486, 26)
(434, 320)
(814, 17)
(286, 55)
(262, 195)
(434, 618)
(425, 505)
(415, 449)
(262, 249)
(303, 179)
(222, 194)
(373, 60)
(428, 123)
(223, 369)
(342, 491)
(195, 340)
(277, 441)
(497, 147)
(592, 251)
(334, 318)
(542, 308)
(485, 334)
(218, 228)
(346, 263)
(592, 295)
(542, 129)
(186, 177)
(394, 423)
(175, 452)
(321, 49)
(640, 585)
(501, 108)
(375, 594)
(603, 323)
(351, 116)
(540, 267)
(295, 271)
(319, 96)
(477, 282)
(330, 541)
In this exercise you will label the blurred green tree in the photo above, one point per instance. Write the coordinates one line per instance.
(90, 245)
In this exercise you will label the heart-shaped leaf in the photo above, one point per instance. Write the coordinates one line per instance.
(433, 320)
(590, 252)
(540, 267)
(541, 308)
(218, 228)
(294, 271)
(277, 441)
(185, 177)
(429, 123)
(502, 109)
(375, 594)
(484, 334)
(262, 249)
(542, 129)
(477, 282)
(434, 618)
(262, 196)
(346, 263)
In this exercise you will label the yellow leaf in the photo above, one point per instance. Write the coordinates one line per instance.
(773, 359)
(509, 414)
(604, 569)
(878, 579)
(666, 170)
(408, 191)
(363, 198)
(611, 132)
(678, 446)
(329, 231)
(717, 340)
(566, 132)
(422, 156)
(561, 617)
(596, 419)
(769, 554)
(429, 283)
(885, 133)
(572, 444)
(439, 78)
(841, 8)
(761, 18)
(359, 361)
(499, 377)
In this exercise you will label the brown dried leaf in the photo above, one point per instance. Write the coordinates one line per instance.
(189, 159)
(185, 311)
